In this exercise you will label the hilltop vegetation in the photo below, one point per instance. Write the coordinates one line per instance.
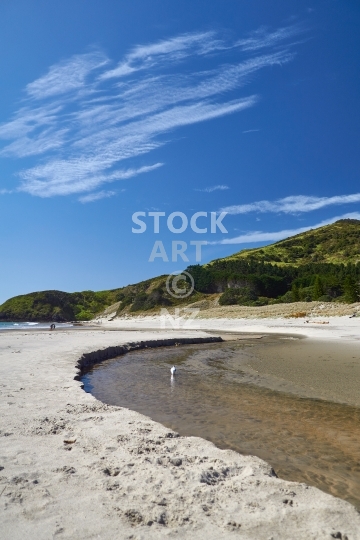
(257, 284)
(337, 243)
(83, 306)
(56, 306)
(321, 264)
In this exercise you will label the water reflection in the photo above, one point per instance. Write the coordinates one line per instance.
(308, 440)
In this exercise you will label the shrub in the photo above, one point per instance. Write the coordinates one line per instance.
(139, 302)
(262, 301)
(84, 316)
(229, 297)
(287, 298)
(241, 296)
(325, 298)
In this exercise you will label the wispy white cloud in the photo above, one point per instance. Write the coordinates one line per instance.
(5, 191)
(213, 188)
(251, 130)
(83, 119)
(68, 178)
(25, 146)
(66, 76)
(92, 197)
(253, 237)
(165, 51)
(292, 205)
(262, 38)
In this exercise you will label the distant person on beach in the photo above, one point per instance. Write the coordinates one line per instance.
(52, 327)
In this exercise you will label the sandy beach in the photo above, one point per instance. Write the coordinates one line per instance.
(73, 467)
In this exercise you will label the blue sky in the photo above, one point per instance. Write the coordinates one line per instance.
(111, 108)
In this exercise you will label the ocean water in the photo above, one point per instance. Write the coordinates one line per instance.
(29, 325)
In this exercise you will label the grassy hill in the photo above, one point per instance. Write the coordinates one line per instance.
(82, 306)
(56, 306)
(320, 264)
(338, 243)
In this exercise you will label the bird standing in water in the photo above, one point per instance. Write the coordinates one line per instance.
(173, 371)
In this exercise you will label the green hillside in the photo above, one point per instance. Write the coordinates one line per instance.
(82, 306)
(320, 264)
(338, 243)
(56, 306)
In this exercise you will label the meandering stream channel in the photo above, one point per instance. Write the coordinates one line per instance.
(218, 394)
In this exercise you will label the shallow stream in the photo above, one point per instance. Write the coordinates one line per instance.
(217, 396)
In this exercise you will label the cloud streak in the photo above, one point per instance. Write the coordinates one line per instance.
(294, 204)
(92, 197)
(262, 38)
(164, 52)
(88, 177)
(67, 76)
(213, 188)
(83, 118)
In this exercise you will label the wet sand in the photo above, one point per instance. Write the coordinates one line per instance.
(251, 396)
(312, 368)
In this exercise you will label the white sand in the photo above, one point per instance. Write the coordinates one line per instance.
(325, 328)
(120, 475)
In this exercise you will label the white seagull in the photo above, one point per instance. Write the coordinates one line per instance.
(173, 370)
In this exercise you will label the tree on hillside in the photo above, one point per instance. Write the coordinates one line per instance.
(350, 288)
(318, 288)
(295, 293)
